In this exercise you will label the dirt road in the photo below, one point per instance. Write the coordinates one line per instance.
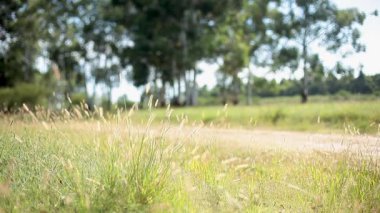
(279, 140)
(251, 139)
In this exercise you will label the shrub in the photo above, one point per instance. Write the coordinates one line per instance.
(30, 94)
(343, 95)
(5, 97)
(124, 103)
(77, 98)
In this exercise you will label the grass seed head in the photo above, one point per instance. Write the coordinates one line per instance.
(230, 160)
(147, 88)
(156, 104)
(241, 167)
(18, 139)
(69, 99)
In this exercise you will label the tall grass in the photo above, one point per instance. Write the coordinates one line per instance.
(74, 170)
(80, 161)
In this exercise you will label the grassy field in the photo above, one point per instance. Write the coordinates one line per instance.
(320, 115)
(71, 163)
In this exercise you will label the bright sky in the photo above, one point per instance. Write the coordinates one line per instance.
(369, 59)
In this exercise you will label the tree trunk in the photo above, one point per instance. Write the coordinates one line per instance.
(235, 90)
(224, 89)
(249, 87)
(177, 75)
(179, 90)
(155, 91)
(305, 85)
(161, 98)
(183, 38)
(142, 100)
(194, 92)
(62, 67)
(188, 92)
(28, 67)
(109, 106)
(93, 99)
(108, 83)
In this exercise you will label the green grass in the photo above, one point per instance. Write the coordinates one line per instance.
(332, 117)
(93, 165)
(65, 169)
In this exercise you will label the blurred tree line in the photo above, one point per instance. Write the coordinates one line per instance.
(53, 49)
(328, 85)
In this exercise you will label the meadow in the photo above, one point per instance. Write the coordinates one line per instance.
(323, 114)
(84, 161)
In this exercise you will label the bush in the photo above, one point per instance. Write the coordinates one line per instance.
(5, 97)
(342, 95)
(124, 103)
(30, 94)
(78, 98)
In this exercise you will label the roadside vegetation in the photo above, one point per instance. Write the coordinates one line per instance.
(81, 161)
(358, 114)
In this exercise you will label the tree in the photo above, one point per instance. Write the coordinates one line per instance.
(63, 40)
(361, 84)
(169, 37)
(241, 40)
(103, 41)
(304, 23)
(20, 30)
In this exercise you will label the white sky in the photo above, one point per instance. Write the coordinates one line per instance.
(369, 59)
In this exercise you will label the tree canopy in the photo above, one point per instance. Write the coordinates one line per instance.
(86, 43)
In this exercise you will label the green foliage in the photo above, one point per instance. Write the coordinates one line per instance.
(326, 85)
(322, 85)
(169, 36)
(161, 42)
(343, 94)
(78, 98)
(30, 94)
(21, 29)
(285, 57)
(124, 103)
(314, 22)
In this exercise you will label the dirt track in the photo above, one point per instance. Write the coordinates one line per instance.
(254, 139)
(280, 140)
